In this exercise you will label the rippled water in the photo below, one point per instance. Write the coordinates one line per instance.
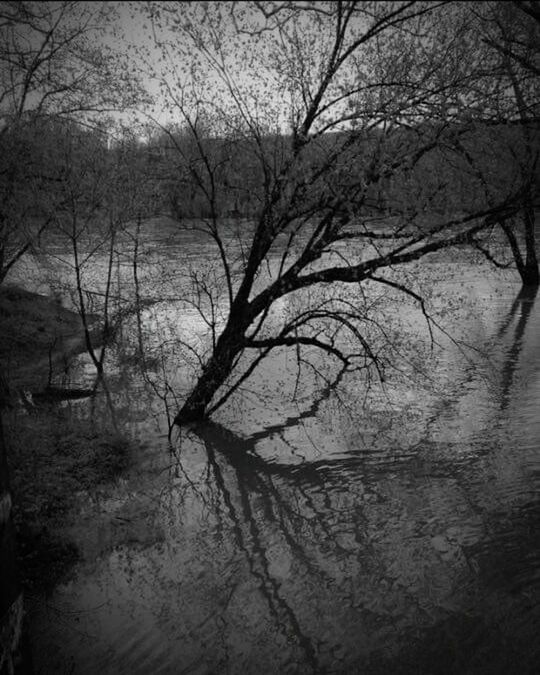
(318, 526)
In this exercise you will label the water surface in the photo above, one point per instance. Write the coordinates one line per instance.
(320, 523)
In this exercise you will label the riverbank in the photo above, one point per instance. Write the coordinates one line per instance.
(55, 454)
(38, 336)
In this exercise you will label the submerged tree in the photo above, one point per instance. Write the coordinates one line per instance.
(358, 94)
(502, 144)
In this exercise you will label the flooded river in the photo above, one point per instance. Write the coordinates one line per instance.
(320, 523)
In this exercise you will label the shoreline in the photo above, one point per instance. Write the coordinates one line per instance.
(38, 338)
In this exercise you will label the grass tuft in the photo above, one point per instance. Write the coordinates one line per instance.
(54, 458)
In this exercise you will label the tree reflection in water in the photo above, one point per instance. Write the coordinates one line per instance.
(326, 515)
(524, 302)
(417, 557)
(256, 497)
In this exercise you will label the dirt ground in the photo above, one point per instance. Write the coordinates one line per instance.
(53, 454)
(37, 336)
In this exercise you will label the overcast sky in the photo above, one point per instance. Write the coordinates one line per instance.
(135, 34)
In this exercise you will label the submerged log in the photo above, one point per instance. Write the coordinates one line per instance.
(61, 394)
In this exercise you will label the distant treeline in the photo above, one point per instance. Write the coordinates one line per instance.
(449, 169)
(192, 174)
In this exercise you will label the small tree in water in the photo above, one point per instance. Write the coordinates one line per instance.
(503, 144)
(332, 108)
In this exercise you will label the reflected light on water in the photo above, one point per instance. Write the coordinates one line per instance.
(319, 529)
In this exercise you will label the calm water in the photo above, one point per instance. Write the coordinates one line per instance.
(320, 523)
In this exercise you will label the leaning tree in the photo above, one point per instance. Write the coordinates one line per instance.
(332, 109)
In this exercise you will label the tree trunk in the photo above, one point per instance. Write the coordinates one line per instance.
(526, 266)
(215, 372)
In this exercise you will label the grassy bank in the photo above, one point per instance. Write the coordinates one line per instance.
(37, 337)
(55, 454)
(55, 459)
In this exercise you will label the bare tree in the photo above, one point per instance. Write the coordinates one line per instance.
(104, 190)
(52, 61)
(521, 45)
(499, 144)
(367, 90)
(29, 174)
(53, 64)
